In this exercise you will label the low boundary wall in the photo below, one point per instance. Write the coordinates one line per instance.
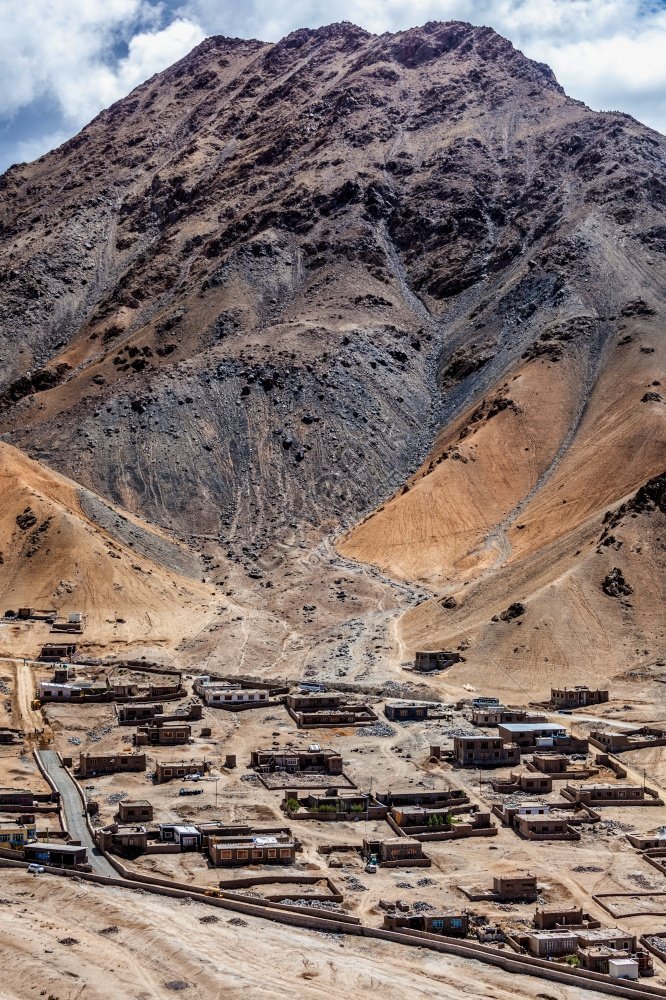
(332, 924)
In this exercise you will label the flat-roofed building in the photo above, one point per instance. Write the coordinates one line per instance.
(451, 924)
(609, 795)
(258, 849)
(135, 811)
(578, 696)
(169, 735)
(236, 697)
(545, 944)
(169, 770)
(91, 764)
(396, 852)
(315, 760)
(15, 835)
(56, 854)
(428, 660)
(484, 751)
(404, 711)
(132, 713)
(518, 886)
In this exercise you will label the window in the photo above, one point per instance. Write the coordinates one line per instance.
(437, 925)
(225, 855)
(256, 854)
(241, 854)
(285, 852)
(272, 853)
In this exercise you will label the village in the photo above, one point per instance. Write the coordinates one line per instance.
(521, 834)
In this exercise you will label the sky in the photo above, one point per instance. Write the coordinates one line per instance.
(63, 61)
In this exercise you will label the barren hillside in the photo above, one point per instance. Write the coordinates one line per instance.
(399, 282)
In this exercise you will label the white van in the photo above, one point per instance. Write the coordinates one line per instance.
(36, 869)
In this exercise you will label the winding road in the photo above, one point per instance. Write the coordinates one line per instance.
(72, 808)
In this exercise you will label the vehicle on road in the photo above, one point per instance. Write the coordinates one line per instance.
(191, 791)
(36, 869)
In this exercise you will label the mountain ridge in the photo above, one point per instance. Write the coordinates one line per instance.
(334, 287)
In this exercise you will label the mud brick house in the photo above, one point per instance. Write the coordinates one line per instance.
(333, 806)
(485, 701)
(425, 661)
(16, 797)
(405, 711)
(535, 821)
(170, 770)
(610, 937)
(495, 715)
(453, 799)
(108, 763)
(56, 854)
(450, 924)
(545, 827)
(552, 944)
(578, 696)
(608, 961)
(636, 739)
(257, 849)
(553, 918)
(521, 886)
(128, 840)
(396, 852)
(326, 710)
(609, 795)
(236, 831)
(129, 714)
(535, 735)
(484, 751)
(53, 652)
(314, 760)
(163, 736)
(539, 784)
(550, 763)
(423, 823)
(122, 688)
(63, 672)
(165, 689)
(135, 811)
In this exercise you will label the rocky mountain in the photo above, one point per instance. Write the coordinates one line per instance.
(401, 280)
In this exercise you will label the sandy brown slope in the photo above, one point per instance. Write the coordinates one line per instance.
(57, 556)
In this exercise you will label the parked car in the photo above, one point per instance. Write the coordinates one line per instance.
(191, 791)
(192, 777)
(371, 868)
(36, 869)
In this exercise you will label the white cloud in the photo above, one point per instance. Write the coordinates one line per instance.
(62, 51)
(61, 56)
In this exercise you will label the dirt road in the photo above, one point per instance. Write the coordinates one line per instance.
(31, 720)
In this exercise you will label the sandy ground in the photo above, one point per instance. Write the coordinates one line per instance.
(72, 940)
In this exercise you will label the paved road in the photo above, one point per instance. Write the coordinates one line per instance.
(73, 810)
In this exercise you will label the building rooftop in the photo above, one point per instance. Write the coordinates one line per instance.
(528, 727)
(561, 932)
(53, 845)
(134, 802)
(604, 933)
(605, 786)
